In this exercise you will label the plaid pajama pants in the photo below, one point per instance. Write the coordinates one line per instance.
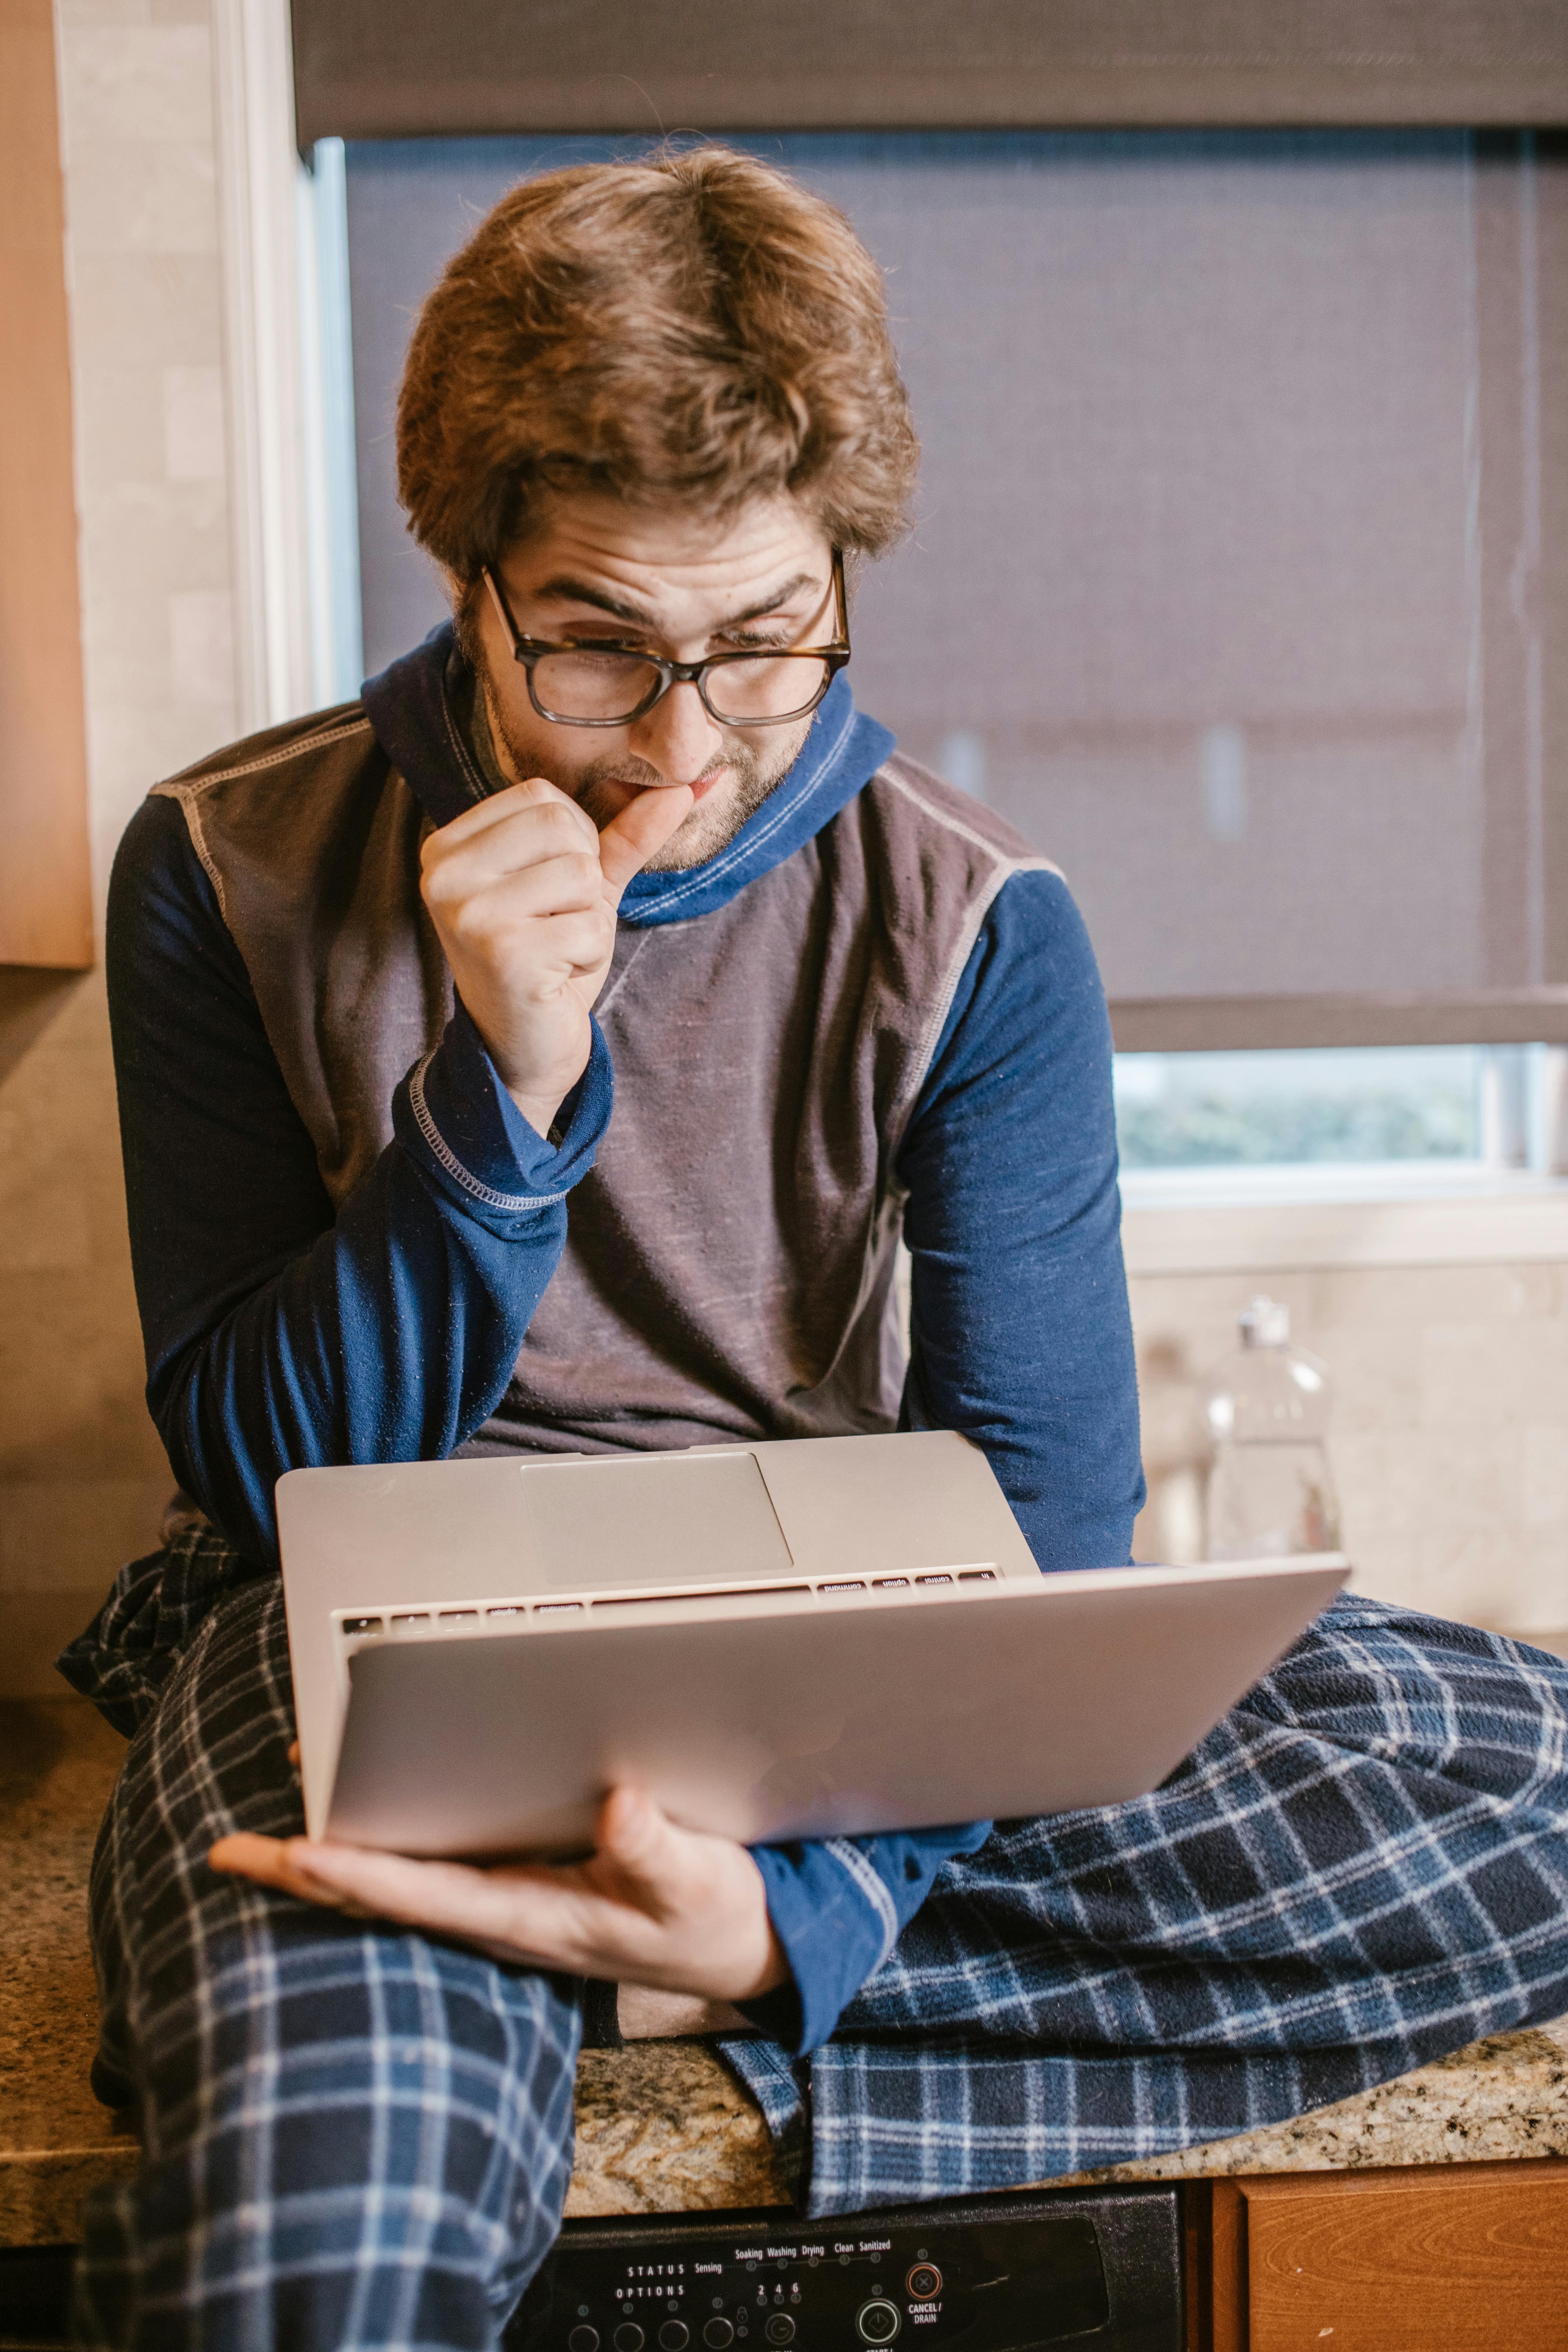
(1363, 1867)
(352, 2137)
(363, 2138)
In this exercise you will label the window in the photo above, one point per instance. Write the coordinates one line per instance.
(1234, 572)
(1403, 1121)
(1242, 555)
(1207, 1110)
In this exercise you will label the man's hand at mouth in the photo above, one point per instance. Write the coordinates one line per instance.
(653, 1904)
(523, 892)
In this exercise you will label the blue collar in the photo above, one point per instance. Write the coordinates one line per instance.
(411, 708)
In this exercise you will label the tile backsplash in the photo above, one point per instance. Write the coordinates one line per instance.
(82, 1475)
(1449, 1430)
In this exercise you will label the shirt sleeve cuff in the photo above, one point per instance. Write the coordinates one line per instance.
(838, 1906)
(458, 1124)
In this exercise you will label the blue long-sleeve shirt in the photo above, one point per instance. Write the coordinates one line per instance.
(279, 1335)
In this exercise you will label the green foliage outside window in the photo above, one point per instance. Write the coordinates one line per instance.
(1214, 1129)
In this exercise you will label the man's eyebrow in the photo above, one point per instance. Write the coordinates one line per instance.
(563, 590)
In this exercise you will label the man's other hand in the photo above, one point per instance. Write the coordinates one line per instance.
(654, 1904)
(523, 891)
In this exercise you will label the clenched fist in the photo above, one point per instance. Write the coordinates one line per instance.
(523, 891)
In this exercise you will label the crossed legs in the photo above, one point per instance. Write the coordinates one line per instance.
(353, 2137)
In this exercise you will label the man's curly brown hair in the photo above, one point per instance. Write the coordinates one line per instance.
(693, 327)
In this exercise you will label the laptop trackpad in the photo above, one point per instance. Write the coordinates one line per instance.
(656, 1520)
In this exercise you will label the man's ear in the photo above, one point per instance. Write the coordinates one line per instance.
(464, 598)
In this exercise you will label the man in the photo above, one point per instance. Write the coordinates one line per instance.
(547, 1053)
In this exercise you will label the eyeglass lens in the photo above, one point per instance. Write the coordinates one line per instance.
(613, 685)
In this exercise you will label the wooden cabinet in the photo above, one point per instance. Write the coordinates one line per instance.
(46, 897)
(1450, 2258)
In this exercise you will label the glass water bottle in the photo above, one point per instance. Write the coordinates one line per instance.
(1270, 1493)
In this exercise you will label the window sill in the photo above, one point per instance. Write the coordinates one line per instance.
(1258, 1220)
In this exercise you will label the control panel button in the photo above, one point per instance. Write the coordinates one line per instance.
(717, 2335)
(924, 2283)
(878, 2321)
(780, 2329)
(627, 2337)
(674, 2335)
(583, 2339)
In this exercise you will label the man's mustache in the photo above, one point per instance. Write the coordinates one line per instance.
(649, 780)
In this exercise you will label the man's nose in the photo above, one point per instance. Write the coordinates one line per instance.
(676, 736)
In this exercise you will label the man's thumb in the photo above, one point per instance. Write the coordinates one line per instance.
(634, 1833)
(641, 830)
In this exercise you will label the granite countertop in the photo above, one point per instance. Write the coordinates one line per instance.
(1506, 2096)
(662, 2126)
(57, 1763)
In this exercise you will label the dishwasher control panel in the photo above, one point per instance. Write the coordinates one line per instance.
(987, 2275)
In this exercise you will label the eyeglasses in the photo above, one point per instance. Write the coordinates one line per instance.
(609, 685)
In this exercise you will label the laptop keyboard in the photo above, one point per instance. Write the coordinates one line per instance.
(439, 1622)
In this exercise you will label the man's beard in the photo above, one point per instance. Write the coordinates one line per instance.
(709, 826)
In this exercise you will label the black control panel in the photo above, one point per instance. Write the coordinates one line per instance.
(990, 2274)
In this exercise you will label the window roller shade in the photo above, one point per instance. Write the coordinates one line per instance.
(1240, 577)
(396, 69)
(1313, 1022)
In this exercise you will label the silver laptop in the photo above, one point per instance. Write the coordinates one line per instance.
(828, 1637)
